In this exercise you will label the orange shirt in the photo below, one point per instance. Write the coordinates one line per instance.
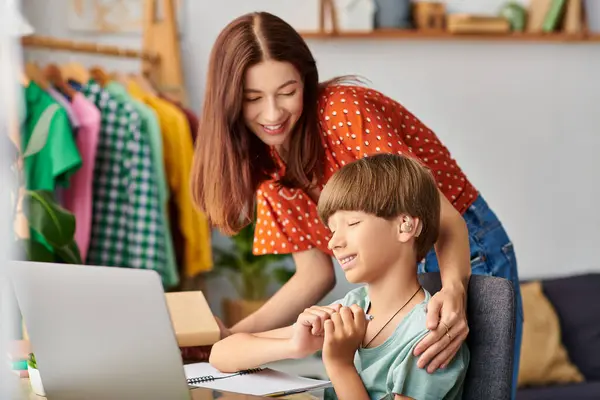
(355, 122)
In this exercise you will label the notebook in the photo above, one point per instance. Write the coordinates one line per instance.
(257, 382)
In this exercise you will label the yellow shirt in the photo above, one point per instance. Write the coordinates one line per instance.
(178, 153)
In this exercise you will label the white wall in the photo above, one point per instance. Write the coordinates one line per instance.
(522, 119)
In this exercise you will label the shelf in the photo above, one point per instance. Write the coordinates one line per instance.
(399, 34)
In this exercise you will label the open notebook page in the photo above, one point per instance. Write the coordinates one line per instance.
(263, 383)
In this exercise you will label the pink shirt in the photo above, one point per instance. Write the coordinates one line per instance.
(78, 197)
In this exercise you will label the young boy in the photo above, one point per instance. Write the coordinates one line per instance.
(383, 213)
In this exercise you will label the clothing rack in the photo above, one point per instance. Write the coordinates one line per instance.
(86, 47)
(160, 54)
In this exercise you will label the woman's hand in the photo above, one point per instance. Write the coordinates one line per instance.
(447, 321)
(309, 329)
(225, 331)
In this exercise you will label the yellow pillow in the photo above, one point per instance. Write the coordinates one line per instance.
(544, 359)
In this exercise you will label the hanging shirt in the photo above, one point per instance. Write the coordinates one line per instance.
(151, 129)
(127, 230)
(58, 158)
(78, 198)
(60, 99)
(47, 130)
(354, 122)
(178, 154)
(192, 119)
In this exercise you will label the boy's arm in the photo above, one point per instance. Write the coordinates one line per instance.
(400, 397)
(242, 351)
(249, 350)
(347, 383)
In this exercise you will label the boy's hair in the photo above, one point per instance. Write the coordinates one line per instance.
(386, 185)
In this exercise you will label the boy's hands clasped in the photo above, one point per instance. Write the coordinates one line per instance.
(337, 330)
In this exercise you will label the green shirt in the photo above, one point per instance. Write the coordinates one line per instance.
(391, 368)
(58, 157)
(151, 129)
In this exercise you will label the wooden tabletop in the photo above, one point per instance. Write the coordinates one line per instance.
(196, 394)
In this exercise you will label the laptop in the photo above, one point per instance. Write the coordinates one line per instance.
(99, 332)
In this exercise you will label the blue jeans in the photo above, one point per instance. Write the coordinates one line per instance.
(492, 253)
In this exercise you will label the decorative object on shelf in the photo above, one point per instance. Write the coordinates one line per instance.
(35, 380)
(476, 24)
(249, 274)
(554, 16)
(592, 15)
(573, 23)
(355, 15)
(516, 15)
(327, 9)
(480, 27)
(536, 13)
(393, 14)
(429, 15)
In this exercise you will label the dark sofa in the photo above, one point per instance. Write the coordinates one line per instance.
(576, 300)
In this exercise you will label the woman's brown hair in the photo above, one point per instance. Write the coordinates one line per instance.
(230, 162)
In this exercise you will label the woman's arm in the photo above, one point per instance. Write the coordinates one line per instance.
(313, 279)
(449, 304)
(243, 351)
(452, 247)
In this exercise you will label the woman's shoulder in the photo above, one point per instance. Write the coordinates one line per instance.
(349, 93)
(354, 101)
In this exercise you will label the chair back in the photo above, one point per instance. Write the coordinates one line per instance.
(491, 306)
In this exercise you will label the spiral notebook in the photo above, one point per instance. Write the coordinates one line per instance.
(258, 381)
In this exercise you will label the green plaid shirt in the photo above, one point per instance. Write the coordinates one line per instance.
(127, 230)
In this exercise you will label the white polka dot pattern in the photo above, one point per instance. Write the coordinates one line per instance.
(355, 122)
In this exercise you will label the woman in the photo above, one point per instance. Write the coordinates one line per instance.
(271, 136)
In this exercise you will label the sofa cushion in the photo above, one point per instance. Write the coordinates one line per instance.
(579, 391)
(577, 302)
(544, 359)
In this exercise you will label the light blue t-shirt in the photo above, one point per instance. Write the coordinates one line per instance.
(391, 368)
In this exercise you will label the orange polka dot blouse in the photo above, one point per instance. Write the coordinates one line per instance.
(355, 122)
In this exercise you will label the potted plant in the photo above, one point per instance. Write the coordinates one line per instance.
(249, 274)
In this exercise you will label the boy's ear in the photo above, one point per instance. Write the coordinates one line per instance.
(408, 228)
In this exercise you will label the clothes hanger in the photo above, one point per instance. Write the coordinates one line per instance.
(24, 79)
(34, 73)
(99, 75)
(119, 77)
(143, 83)
(54, 75)
(76, 72)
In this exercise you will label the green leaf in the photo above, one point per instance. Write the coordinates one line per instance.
(39, 136)
(35, 251)
(31, 361)
(49, 219)
(69, 254)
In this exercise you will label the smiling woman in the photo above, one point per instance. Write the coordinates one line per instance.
(272, 109)
(276, 135)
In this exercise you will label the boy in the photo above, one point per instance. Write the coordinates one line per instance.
(383, 213)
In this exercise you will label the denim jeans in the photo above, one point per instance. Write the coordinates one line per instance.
(492, 253)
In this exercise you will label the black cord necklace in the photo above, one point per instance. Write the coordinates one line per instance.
(390, 320)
